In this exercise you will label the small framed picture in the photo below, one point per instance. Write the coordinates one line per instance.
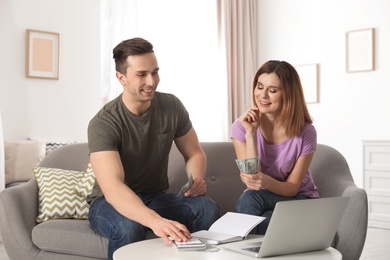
(308, 74)
(360, 50)
(42, 54)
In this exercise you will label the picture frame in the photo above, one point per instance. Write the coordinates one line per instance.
(360, 50)
(308, 74)
(42, 54)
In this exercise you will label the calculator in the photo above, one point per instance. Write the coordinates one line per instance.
(190, 245)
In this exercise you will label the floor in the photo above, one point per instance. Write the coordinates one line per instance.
(377, 245)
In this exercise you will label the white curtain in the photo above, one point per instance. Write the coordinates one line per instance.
(2, 157)
(118, 20)
(207, 52)
(238, 39)
(2, 163)
(185, 39)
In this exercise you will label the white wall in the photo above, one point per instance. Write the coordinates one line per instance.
(58, 110)
(353, 106)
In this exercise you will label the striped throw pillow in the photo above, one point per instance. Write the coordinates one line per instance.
(85, 185)
(62, 193)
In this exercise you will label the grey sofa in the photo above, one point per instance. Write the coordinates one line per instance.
(73, 239)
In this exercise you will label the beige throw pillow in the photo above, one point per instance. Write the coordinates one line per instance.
(21, 157)
(63, 193)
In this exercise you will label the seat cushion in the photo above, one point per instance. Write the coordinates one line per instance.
(70, 236)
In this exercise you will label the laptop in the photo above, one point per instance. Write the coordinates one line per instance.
(297, 226)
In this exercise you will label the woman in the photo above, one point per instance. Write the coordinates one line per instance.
(278, 130)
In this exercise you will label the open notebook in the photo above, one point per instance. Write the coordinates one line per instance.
(230, 227)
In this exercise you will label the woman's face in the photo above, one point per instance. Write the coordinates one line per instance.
(268, 94)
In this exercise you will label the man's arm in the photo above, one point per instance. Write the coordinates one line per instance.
(109, 173)
(195, 160)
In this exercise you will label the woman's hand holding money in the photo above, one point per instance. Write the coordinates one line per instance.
(254, 181)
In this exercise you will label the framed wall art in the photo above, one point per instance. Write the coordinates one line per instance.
(308, 73)
(42, 54)
(360, 50)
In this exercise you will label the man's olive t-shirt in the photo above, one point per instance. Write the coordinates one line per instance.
(143, 142)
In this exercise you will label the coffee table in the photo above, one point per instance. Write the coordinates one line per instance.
(157, 249)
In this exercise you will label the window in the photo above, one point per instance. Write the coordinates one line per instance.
(185, 39)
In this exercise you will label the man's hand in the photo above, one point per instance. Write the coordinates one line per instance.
(198, 188)
(167, 229)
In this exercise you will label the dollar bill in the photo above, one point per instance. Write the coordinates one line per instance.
(186, 186)
(250, 165)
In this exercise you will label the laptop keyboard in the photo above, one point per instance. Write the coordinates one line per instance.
(253, 249)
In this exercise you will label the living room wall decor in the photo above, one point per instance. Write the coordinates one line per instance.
(42, 54)
(360, 50)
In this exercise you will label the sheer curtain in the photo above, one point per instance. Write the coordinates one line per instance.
(185, 39)
(237, 27)
(2, 158)
(118, 21)
(2, 163)
(206, 52)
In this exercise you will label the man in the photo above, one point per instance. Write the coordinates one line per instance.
(129, 143)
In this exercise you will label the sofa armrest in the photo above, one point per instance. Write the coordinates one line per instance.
(353, 226)
(18, 212)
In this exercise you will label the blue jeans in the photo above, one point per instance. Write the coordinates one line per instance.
(196, 213)
(261, 203)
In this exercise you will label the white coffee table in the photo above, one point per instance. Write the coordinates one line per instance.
(157, 249)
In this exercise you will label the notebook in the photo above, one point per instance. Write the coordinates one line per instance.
(297, 226)
(229, 228)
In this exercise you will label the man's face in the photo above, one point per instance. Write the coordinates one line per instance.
(141, 79)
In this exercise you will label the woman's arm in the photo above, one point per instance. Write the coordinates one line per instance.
(250, 121)
(288, 188)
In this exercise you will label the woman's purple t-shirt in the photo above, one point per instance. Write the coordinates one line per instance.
(278, 160)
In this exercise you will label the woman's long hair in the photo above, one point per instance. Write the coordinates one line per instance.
(294, 113)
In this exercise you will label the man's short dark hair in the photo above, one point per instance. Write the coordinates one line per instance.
(134, 46)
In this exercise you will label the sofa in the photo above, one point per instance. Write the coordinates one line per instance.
(68, 239)
(20, 156)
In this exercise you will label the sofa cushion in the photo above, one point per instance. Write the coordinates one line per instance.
(21, 157)
(70, 236)
(59, 193)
